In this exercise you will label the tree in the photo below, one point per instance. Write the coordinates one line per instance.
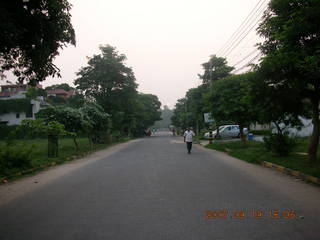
(215, 69)
(109, 82)
(98, 122)
(52, 129)
(275, 103)
(32, 34)
(73, 120)
(196, 104)
(228, 101)
(182, 118)
(147, 112)
(292, 54)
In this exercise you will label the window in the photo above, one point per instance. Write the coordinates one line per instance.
(17, 115)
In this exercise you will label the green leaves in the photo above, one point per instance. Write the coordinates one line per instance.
(215, 69)
(33, 33)
(15, 105)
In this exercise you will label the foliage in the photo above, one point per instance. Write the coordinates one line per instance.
(146, 113)
(275, 103)
(14, 105)
(261, 132)
(72, 119)
(111, 84)
(281, 144)
(40, 126)
(13, 157)
(34, 92)
(57, 101)
(5, 130)
(215, 69)
(228, 101)
(255, 152)
(182, 118)
(33, 32)
(292, 53)
(52, 129)
(76, 101)
(98, 122)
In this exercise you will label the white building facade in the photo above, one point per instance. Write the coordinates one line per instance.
(14, 118)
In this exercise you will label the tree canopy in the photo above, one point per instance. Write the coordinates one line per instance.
(228, 101)
(292, 53)
(109, 82)
(32, 34)
(215, 69)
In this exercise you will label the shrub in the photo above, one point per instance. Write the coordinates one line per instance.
(5, 130)
(281, 144)
(261, 132)
(14, 157)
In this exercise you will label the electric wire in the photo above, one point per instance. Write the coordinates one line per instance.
(245, 32)
(238, 29)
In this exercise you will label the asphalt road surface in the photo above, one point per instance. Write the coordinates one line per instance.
(152, 189)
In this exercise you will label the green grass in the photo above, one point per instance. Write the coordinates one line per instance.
(255, 152)
(66, 151)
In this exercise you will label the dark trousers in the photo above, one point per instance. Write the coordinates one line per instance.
(189, 146)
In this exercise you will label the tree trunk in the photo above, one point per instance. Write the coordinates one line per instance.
(314, 139)
(242, 135)
(197, 130)
(90, 141)
(53, 146)
(217, 136)
(76, 144)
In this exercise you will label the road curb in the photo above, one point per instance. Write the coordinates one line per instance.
(291, 172)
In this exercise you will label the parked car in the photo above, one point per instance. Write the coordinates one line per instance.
(227, 131)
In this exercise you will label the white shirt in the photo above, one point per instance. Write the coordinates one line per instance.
(188, 135)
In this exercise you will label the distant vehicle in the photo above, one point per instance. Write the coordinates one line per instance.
(227, 131)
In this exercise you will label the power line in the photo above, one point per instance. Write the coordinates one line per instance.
(251, 61)
(250, 54)
(245, 32)
(238, 29)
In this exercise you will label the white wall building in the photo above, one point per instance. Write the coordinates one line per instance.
(15, 118)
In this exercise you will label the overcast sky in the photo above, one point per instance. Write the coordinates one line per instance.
(165, 41)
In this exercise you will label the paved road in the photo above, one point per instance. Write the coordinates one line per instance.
(152, 189)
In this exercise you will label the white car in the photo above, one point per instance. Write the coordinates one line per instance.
(227, 131)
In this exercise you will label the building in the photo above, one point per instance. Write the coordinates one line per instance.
(15, 106)
(60, 93)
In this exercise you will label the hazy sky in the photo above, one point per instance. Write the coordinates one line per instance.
(165, 41)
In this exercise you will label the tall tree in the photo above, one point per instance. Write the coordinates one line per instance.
(182, 117)
(32, 34)
(292, 53)
(196, 104)
(111, 84)
(228, 101)
(215, 69)
(147, 112)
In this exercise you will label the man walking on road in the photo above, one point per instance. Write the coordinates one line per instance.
(188, 138)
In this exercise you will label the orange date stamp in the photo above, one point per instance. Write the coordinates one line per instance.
(255, 214)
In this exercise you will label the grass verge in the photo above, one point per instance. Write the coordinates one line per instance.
(255, 152)
(40, 157)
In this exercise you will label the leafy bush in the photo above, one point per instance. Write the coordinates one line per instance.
(261, 132)
(14, 157)
(5, 130)
(281, 144)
